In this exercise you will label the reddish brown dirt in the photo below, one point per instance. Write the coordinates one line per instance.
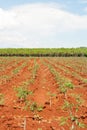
(72, 70)
(13, 116)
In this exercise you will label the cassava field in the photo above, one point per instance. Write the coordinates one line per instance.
(43, 93)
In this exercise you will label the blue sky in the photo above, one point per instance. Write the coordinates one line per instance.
(75, 6)
(43, 23)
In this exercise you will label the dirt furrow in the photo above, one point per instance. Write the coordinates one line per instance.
(45, 107)
(75, 80)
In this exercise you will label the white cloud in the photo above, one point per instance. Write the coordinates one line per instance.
(32, 25)
(83, 1)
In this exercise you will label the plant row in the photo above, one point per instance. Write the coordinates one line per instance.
(44, 52)
(72, 102)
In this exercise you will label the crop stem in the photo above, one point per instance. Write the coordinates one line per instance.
(25, 123)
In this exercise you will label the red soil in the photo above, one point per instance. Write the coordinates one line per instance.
(13, 116)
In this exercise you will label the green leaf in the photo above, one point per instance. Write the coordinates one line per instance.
(63, 121)
(69, 85)
(73, 118)
(82, 125)
(67, 105)
(39, 108)
(63, 89)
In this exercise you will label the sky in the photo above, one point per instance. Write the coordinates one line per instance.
(43, 23)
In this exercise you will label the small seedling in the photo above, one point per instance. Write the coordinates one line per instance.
(75, 122)
(37, 117)
(63, 121)
(69, 107)
(35, 107)
(27, 104)
(51, 96)
(65, 87)
(69, 85)
(22, 93)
